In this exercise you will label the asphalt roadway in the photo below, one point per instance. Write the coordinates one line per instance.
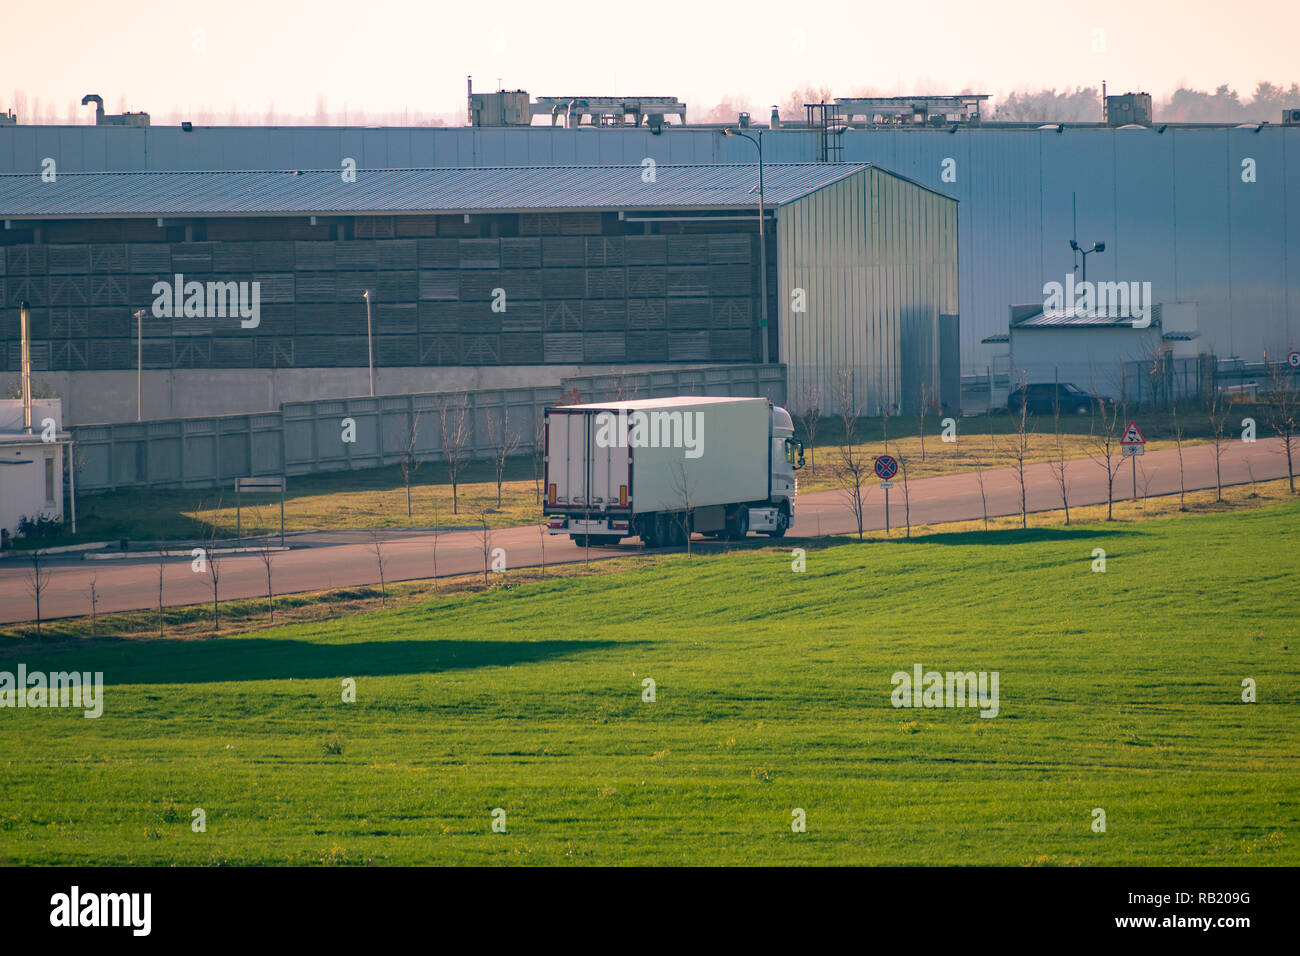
(324, 560)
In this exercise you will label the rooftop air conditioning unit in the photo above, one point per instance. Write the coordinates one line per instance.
(1291, 117)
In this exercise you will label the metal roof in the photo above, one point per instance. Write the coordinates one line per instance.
(397, 191)
(1071, 318)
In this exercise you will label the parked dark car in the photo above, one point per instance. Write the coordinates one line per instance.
(1043, 399)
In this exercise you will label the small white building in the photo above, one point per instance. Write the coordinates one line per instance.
(1099, 352)
(31, 462)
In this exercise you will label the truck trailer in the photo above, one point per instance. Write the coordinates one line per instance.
(663, 468)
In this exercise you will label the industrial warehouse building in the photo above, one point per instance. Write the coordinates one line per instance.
(477, 276)
(1209, 214)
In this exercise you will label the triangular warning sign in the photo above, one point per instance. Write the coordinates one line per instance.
(1132, 436)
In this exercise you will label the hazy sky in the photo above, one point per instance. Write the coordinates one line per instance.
(385, 56)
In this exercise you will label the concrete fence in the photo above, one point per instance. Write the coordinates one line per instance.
(354, 433)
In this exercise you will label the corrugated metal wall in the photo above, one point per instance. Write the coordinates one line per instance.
(1172, 207)
(874, 260)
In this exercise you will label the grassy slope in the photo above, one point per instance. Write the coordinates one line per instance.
(1119, 690)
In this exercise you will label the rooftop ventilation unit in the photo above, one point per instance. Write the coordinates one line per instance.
(1291, 117)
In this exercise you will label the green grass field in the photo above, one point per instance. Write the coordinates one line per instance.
(1119, 690)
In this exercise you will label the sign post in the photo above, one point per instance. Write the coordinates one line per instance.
(275, 483)
(886, 468)
(1133, 444)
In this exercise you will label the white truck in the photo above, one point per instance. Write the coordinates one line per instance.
(662, 468)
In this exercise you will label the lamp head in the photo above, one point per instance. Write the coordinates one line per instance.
(1099, 247)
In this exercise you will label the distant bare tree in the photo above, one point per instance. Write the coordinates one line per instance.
(377, 548)
(541, 535)
(162, 565)
(266, 554)
(1058, 465)
(683, 489)
(504, 443)
(850, 468)
(984, 499)
(1218, 415)
(1020, 451)
(214, 570)
(38, 579)
(907, 498)
(1104, 448)
(454, 427)
(810, 417)
(410, 459)
(1283, 403)
(485, 538)
(94, 607)
(1178, 439)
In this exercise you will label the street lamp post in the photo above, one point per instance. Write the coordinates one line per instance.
(370, 346)
(1096, 247)
(762, 242)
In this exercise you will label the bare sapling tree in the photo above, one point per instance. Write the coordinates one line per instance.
(454, 429)
(213, 563)
(1178, 440)
(810, 417)
(1058, 463)
(1104, 447)
(907, 498)
(504, 442)
(377, 549)
(410, 460)
(1020, 451)
(1218, 415)
(266, 554)
(541, 538)
(850, 466)
(984, 498)
(683, 489)
(94, 607)
(485, 541)
(1254, 485)
(162, 566)
(1283, 404)
(38, 580)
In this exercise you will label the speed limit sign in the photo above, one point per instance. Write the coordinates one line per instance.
(1293, 359)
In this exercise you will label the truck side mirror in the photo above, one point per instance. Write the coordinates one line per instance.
(799, 449)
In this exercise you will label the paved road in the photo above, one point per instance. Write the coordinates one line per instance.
(346, 559)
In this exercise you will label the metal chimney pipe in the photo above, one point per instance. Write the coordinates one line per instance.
(25, 320)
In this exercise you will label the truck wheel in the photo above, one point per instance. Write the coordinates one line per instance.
(579, 539)
(782, 523)
(738, 524)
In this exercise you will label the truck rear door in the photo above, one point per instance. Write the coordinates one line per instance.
(610, 466)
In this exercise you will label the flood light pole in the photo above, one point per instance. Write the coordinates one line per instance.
(762, 244)
(1096, 247)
